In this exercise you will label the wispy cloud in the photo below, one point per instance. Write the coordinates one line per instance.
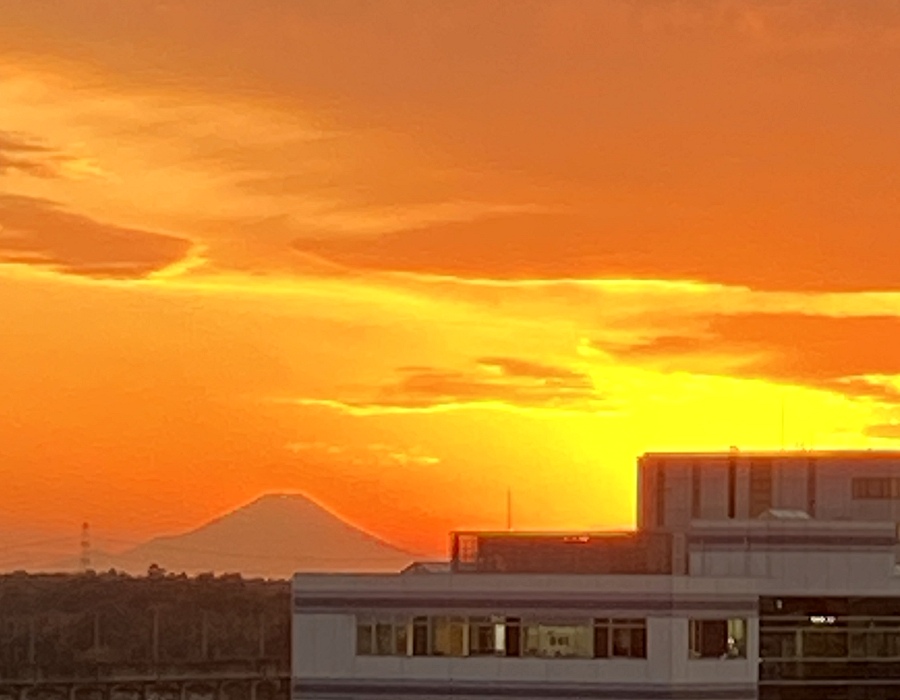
(368, 455)
(493, 383)
(20, 154)
(887, 431)
(42, 233)
(819, 351)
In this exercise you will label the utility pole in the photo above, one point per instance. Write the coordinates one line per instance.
(85, 548)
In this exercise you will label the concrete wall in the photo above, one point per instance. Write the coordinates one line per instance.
(795, 568)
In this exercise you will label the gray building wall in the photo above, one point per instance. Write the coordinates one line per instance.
(675, 489)
(325, 664)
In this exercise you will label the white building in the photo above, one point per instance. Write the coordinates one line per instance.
(769, 576)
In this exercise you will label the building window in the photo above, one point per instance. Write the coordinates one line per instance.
(486, 636)
(660, 495)
(447, 636)
(501, 636)
(732, 488)
(467, 549)
(760, 487)
(830, 637)
(401, 639)
(825, 644)
(365, 644)
(561, 640)
(620, 639)
(381, 636)
(875, 488)
(696, 491)
(513, 634)
(777, 644)
(718, 639)
(420, 636)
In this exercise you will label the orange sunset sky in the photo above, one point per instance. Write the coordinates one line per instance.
(401, 255)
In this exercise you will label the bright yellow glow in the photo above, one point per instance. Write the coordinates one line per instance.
(349, 267)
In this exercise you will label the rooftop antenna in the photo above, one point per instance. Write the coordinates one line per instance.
(85, 547)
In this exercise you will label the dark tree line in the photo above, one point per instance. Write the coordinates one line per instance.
(66, 621)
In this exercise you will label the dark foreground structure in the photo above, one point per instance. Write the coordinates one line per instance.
(111, 636)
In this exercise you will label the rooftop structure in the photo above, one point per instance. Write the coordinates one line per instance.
(770, 576)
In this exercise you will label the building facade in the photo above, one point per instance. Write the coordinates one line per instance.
(677, 489)
(746, 602)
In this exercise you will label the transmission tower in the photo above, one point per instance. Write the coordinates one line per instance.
(85, 547)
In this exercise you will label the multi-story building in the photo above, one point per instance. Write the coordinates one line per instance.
(770, 576)
(676, 489)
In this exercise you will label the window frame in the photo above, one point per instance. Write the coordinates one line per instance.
(637, 637)
(696, 643)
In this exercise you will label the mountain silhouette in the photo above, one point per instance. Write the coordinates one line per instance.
(275, 536)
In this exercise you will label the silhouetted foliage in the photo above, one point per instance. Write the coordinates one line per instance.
(63, 621)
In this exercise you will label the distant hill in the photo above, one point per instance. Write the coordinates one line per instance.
(272, 537)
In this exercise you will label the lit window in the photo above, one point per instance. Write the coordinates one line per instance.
(447, 636)
(547, 640)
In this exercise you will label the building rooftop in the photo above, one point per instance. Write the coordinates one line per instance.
(777, 454)
(428, 567)
(614, 552)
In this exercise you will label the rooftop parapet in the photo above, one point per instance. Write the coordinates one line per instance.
(626, 552)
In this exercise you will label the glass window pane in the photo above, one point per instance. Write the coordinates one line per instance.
(420, 636)
(559, 641)
(530, 640)
(737, 639)
(384, 638)
(718, 639)
(877, 644)
(892, 643)
(621, 642)
(827, 645)
(401, 639)
(513, 634)
(364, 638)
(713, 638)
(601, 641)
(639, 644)
(778, 645)
(482, 638)
(447, 636)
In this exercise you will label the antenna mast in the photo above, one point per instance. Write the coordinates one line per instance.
(85, 547)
